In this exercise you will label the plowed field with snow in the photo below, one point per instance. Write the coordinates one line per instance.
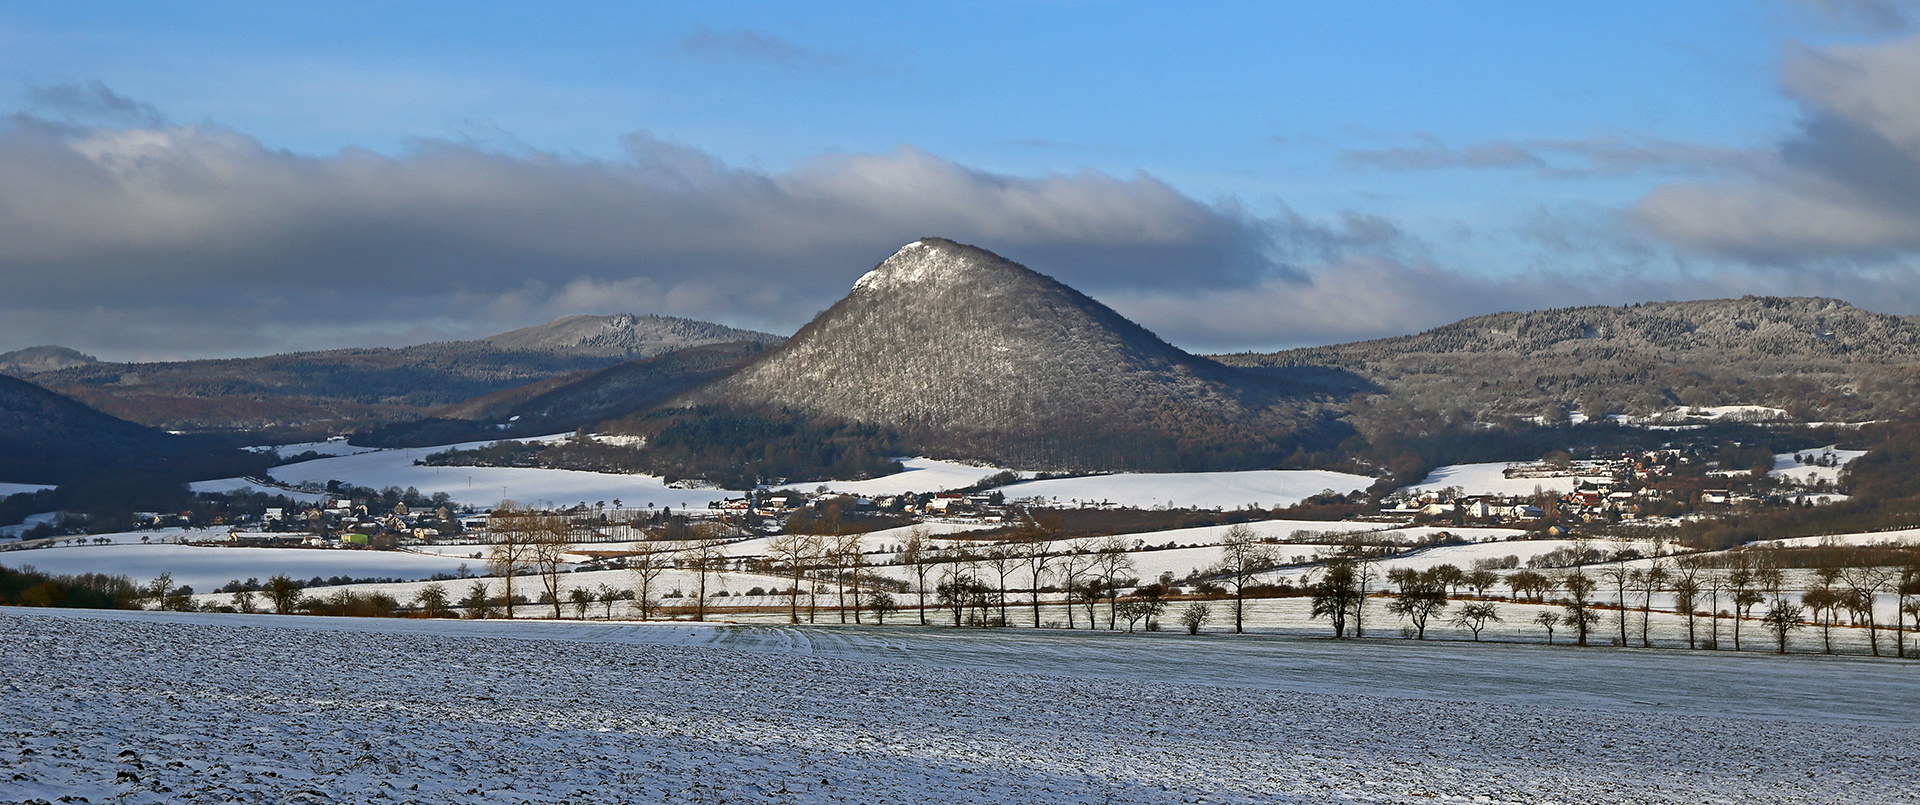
(156, 707)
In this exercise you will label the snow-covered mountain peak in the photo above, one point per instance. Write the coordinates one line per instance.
(930, 263)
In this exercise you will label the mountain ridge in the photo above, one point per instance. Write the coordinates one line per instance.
(298, 394)
(1818, 358)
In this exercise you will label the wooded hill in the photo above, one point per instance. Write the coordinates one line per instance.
(568, 402)
(1818, 359)
(967, 355)
(48, 438)
(322, 393)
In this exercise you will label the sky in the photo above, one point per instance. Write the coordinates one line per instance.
(226, 179)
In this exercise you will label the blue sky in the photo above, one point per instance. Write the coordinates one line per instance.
(240, 178)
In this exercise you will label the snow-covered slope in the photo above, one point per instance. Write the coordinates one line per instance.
(1183, 490)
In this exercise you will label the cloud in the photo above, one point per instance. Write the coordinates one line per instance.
(180, 237)
(1561, 158)
(1845, 186)
(92, 102)
(1873, 15)
(756, 47)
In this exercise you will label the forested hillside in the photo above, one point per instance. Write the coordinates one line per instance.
(320, 393)
(1817, 359)
(968, 355)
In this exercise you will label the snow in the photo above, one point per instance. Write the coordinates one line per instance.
(160, 707)
(486, 486)
(1806, 474)
(336, 446)
(1204, 490)
(1201, 490)
(920, 475)
(28, 524)
(251, 485)
(1909, 536)
(207, 567)
(7, 489)
(1488, 479)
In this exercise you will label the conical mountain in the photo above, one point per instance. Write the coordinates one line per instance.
(969, 355)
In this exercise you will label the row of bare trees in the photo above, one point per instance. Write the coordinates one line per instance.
(1744, 582)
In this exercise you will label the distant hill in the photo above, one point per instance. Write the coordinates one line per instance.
(47, 438)
(41, 359)
(1818, 359)
(969, 355)
(624, 336)
(312, 393)
(570, 401)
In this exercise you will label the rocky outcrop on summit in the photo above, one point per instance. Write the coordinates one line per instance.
(41, 359)
(621, 335)
(972, 356)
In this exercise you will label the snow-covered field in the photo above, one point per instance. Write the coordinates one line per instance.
(1488, 479)
(205, 568)
(151, 707)
(486, 486)
(15, 489)
(1203, 490)
(1785, 467)
(225, 485)
(920, 475)
(1907, 536)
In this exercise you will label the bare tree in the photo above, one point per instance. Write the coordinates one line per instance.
(1579, 610)
(510, 530)
(432, 600)
(1417, 596)
(1114, 559)
(1652, 580)
(1475, 617)
(552, 538)
(852, 562)
(1074, 568)
(1906, 583)
(608, 595)
(1782, 617)
(581, 598)
(1547, 620)
(882, 604)
(796, 552)
(1621, 578)
(1335, 594)
(646, 567)
(478, 603)
(1194, 616)
(1003, 560)
(1135, 609)
(704, 555)
(1482, 580)
(1713, 583)
(284, 593)
(1686, 591)
(1864, 582)
(1740, 585)
(1243, 557)
(1038, 558)
(917, 553)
